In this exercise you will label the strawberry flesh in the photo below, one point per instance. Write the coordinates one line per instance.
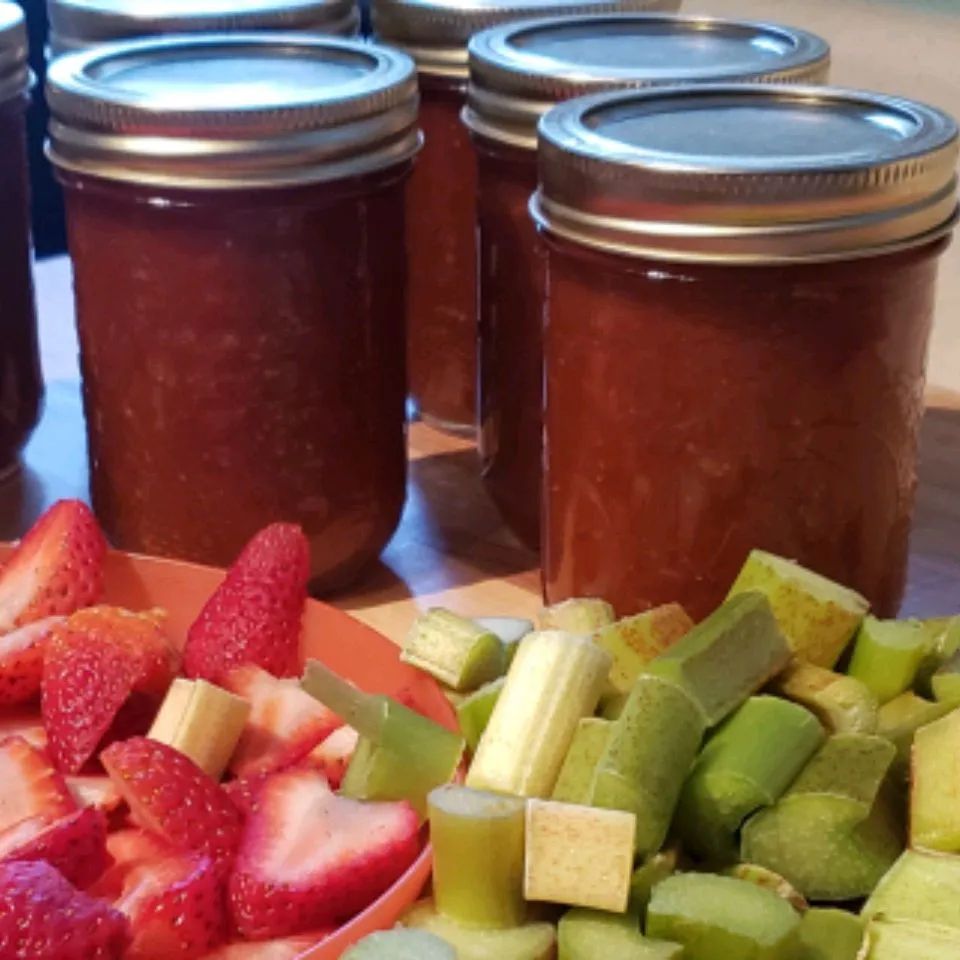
(311, 859)
(289, 948)
(254, 616)
(21, 661)
(56, 569)
(31, 788)
(42, 917)
(332, 757)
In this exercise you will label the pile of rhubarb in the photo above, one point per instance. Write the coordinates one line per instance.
(169, 798)
(778, 782)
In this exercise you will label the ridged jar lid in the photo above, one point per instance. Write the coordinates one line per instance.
(14, 72)
(519, 70)
(237, 110)
(436, 32)
(78, 24)
(746, 173)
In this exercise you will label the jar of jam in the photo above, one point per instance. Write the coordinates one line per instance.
(517, 72)
(21, 385)
(78, 24)
(235, 208)
(441, 228)
(740, 288)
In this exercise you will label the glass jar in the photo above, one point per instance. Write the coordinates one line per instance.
(21, 385)
(517, 72)
(441, 228)
(239, 277)
(740, 286)
(79, 24)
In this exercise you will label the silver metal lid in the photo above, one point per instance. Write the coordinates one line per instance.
(14, 72)
(436, 32)
(237, 110)
(746, 173)
(79, 24)
(518, 71)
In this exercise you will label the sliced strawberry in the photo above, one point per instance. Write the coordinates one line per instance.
(309, 858)
(332, 757)
(284, 725)
(93, 790)
(244, 791)
(175, 906)
(94, 662)
(29, 786)
(42, 917)
(169, 794)
(129, 849)
(76, 845)
(290, 948)
(25, 724)
(56, 569)
(254, 615)
(21, 661)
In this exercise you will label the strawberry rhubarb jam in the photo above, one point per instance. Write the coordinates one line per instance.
(20, 382)
(441, 226)
(235, 211)
(740, 283)
(79, 24)
(517, 72)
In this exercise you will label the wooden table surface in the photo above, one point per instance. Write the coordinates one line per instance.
(451, 548)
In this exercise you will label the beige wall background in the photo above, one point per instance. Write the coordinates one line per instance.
(910, 48)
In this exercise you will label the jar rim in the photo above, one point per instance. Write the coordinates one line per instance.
(520, 70)
(15, 78)
(232, 110)
(746, 173)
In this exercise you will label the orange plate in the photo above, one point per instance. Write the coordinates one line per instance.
(354, 650)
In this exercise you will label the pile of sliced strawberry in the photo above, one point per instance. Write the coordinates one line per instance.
(116, 847)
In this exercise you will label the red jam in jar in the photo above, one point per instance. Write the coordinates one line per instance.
(517, 71)
(441, 226)
(239, 276)
(80, 24)
(740, 286)
(21, 385)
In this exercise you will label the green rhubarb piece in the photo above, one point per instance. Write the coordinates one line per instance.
(762, 877)
(509, 630)
(580, 615)
(899, 940)
(887, 655)
(478, 856)
(935, 786)
(901, 718)
(634, 641)
(833, 833)
(593, 935)
(532, 941)
(942, 643)
(555, 681)
(721, 917)
(648, 756)
(474, 711)
(575, 783)
(818, 616)
(401, 755)
(727, 657)
(920, 887)
(612, 704)
(400, 944)
(828, 934)
(652, 871)
(746, 766)
(945, 683)
(841, 703)
(453, 649)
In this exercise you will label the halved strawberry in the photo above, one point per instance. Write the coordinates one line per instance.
(309, 858)
(254, 615)
(176, 908)
(21, 661)
(129, 849)
(284, 725)
(29, 786)
(56, 569)
(95, 660)
(288, 948)
(23, 723)
(76, 845)
(169, 794)
(42, 917)
(93, 790)
(332, 757)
